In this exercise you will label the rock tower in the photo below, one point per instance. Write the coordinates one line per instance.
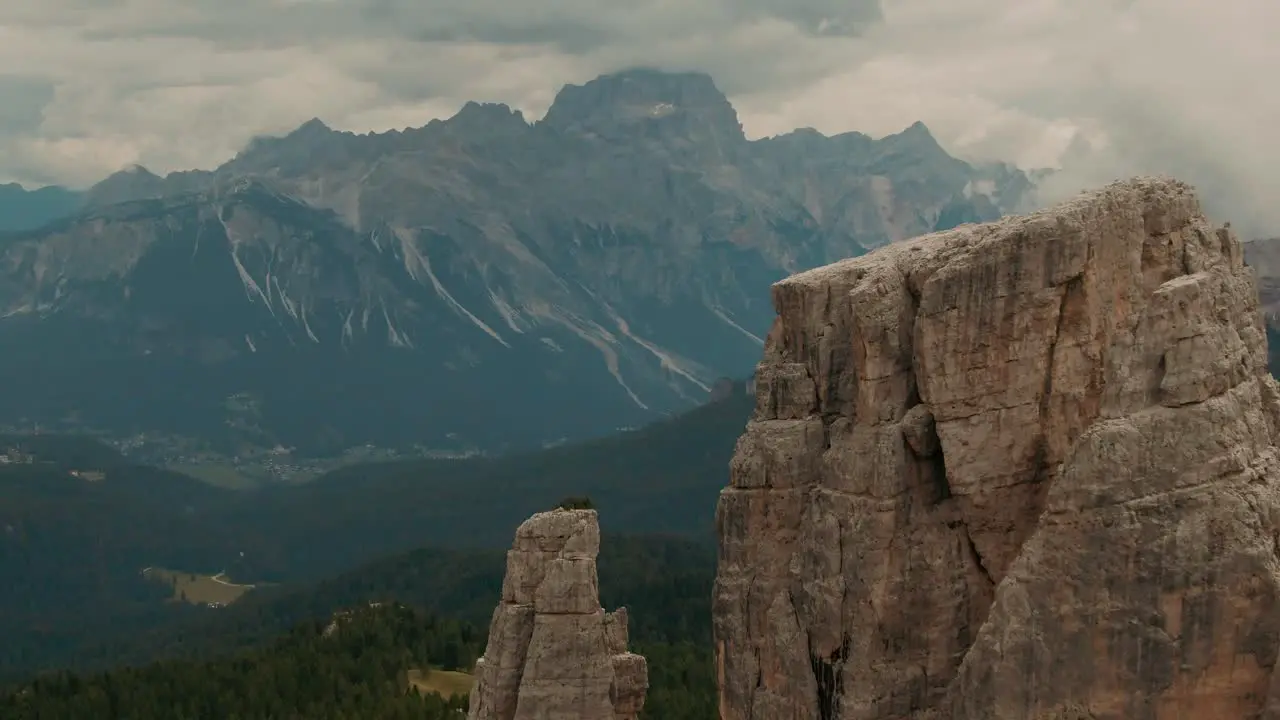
(1024, 470)
(553, 652)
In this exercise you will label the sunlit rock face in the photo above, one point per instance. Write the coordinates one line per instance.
(1019, 470)
(553, 652)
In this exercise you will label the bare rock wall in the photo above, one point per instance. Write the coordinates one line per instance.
(1026, 469)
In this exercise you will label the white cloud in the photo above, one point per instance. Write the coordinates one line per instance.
(1178, 86)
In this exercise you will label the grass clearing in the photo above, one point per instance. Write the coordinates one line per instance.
(445, 682)
(218, 475)
(198, 589)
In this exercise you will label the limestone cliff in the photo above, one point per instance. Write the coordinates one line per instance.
(553, 652)
(1026, 469)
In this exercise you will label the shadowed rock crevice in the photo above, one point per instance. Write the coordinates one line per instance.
(827, 673)
(920, 434)
(938, 473)
(1017, 470)
(975, 557)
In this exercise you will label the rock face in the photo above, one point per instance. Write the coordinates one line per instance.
(1019, 470)
(553, 652)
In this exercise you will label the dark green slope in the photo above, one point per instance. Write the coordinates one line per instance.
(664, 582)
(351, 670)
(663, 478)
(71, 550)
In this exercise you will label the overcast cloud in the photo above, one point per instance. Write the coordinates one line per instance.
(1128, 86)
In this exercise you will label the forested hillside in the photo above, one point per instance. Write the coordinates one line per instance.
(71, 548)
(664, 582)
(80, 523)
(71, 552)
(663, 478)
(351, 667)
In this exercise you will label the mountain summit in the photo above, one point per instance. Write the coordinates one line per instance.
(479, 282)
(638, 104)
(23, 209)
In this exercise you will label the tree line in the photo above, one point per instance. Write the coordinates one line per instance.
(664, 582)
(352, 667)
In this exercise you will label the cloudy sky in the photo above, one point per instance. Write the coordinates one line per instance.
(1118, 86)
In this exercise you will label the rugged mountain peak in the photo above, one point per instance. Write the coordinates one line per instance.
(645, 102)
(611, 264)
(307, 146)
(22, 209)
(312, 133)
(315, 128)
(132, 183)
(552, 651)
(807, 139)
(480, 112)
(487, 120)
(916, 139)
(917, 132)
(1027, 469)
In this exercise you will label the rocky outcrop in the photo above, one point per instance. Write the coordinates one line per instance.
(1019, 470)
(553, 652)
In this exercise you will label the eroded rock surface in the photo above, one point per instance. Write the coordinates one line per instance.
(1022, 470)
(553, 652)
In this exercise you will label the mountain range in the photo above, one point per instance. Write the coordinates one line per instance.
(22, 209)
(482, 282)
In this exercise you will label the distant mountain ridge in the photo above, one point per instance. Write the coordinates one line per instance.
(23, 209)
(479, 282)
(1263, 255)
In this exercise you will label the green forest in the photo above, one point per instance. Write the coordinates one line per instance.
(71, 551)
(268, 657)
(428, 536)
(353, 667)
